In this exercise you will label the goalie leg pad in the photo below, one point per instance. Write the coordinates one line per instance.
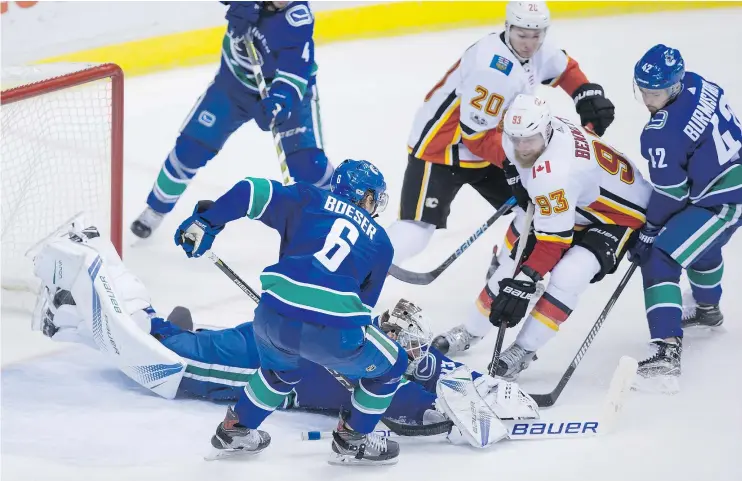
(80, 269)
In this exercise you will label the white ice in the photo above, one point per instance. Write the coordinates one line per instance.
(66, 415)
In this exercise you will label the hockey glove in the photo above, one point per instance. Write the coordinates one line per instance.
(195, 235)
(513, 177)
(240, 17)
(593, 107)
(639, 252)
(512, 301)
(276, 107)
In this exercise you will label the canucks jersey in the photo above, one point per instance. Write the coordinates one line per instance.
(333, 259)
(285, 48)
(693, 148)
(220, 362)
(457, 123)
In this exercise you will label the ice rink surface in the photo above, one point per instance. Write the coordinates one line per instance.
(66, 415)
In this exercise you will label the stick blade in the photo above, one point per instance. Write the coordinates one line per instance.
(623, 378)
(417, 278)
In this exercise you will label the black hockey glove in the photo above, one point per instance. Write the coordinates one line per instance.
(513, 177)
(593, 107)
(511, 303)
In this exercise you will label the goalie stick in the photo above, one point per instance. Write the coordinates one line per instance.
(532, 429)
(252, 54)
(547, 400)
(425, 278)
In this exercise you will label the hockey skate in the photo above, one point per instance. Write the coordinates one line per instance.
(231, 439)
(148, 221)
(702, 315)
(660, 372)
(455, 340)
(351, 447)
(512, 361)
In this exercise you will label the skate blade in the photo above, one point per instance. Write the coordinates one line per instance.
(216, 454)
(349, 460)
(657, 384)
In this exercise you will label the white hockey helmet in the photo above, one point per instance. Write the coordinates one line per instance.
(528, 124)
(529, 15)
(407, 325)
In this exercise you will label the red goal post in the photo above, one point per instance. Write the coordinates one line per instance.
(62, 154)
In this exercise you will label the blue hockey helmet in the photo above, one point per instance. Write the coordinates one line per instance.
(658, 76)
(660, 68)
(358, 180)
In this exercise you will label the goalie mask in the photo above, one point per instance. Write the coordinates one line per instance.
(405, 324)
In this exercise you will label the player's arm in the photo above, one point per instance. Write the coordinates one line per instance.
(484, 94)
(258, 199)
(372, 285)
(595, 110)
(668, 174)
(295, 53)
(553, 220)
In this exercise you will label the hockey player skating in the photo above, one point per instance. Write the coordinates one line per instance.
(588, 200)
(692, 144)
(282, 34)
(455, 138)
(220, 363)
(316, 302)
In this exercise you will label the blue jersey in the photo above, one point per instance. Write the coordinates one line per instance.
(284, 43)
(333, 259)
(220, 363)
(693, 149)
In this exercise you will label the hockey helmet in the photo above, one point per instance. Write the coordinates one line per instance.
(658, 76)
(528, 15)
(358, 180)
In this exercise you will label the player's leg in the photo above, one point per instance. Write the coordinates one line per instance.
(686, 238)
(596, 252)
(705, 276)
(278, 340)
(219, 362)
(476, 320)
(301, 137)
(427, 192)
(208, 126)
(380, 363)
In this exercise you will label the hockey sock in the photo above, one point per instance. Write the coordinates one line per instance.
(265, 391)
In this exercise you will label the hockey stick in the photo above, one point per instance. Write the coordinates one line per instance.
(522, 241)
(518, 430)
(252, 54)
(401, 429)
(425, 278)
(546, 400)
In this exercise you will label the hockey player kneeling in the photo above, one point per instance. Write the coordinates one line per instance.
(588, 200)
(219, 364)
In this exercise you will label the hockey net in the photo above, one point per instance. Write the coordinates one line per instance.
(62, 155)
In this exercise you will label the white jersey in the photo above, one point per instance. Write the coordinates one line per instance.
(472, 97)
(580, 180)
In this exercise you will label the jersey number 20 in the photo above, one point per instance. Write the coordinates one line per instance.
(337, 247)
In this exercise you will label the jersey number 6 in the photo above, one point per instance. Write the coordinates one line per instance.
(337, 248)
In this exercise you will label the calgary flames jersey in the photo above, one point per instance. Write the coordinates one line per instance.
(578, 181)
(458, 122)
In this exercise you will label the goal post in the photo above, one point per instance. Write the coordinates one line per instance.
(62, 154)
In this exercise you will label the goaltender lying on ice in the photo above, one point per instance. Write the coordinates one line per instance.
(115, 317)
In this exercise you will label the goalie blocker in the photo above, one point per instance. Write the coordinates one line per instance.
(78, 267)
